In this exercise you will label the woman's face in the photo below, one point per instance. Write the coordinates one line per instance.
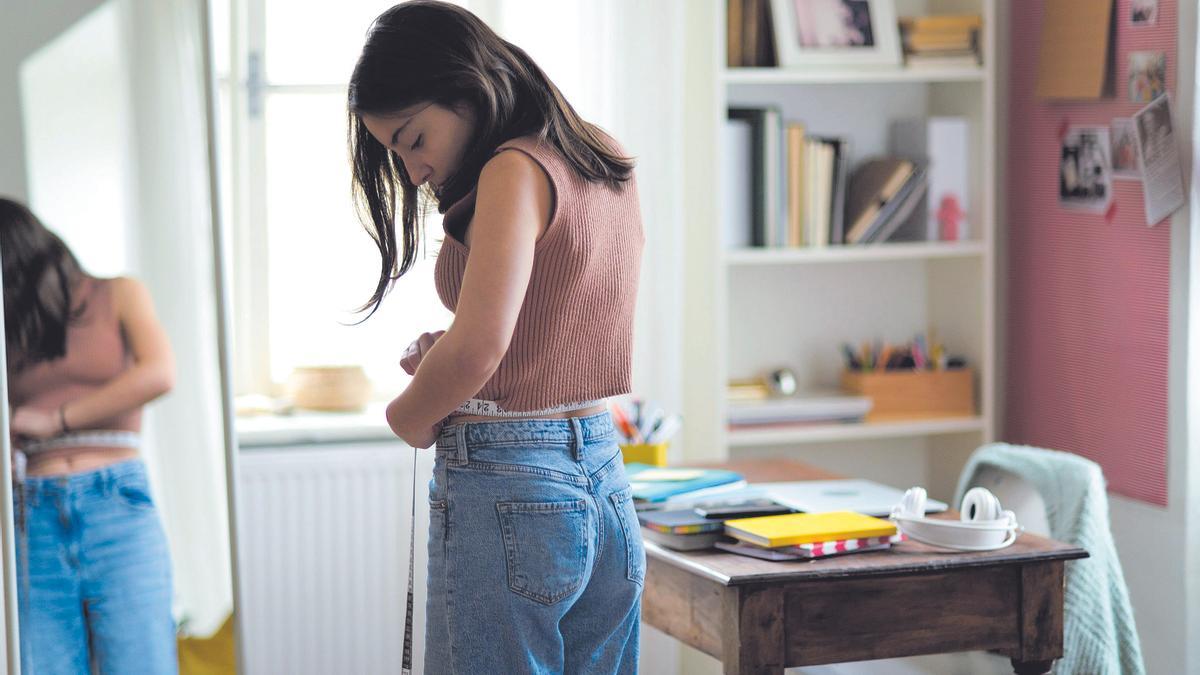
(430, 139)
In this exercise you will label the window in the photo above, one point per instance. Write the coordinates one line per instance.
(302, 261)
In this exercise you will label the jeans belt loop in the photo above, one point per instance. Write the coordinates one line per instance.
(459, 456)
(577, 441)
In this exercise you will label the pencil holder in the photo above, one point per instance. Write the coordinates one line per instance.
(913, 394)
(654, 454)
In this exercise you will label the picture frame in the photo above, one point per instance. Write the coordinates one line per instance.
(814, 33)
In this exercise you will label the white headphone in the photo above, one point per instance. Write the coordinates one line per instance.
(983, 526)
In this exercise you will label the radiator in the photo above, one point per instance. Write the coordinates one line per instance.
(324, 557)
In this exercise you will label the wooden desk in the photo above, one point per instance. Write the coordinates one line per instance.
(759, 616)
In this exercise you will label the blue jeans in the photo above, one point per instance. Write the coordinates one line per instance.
(535, 557)
(93, 575)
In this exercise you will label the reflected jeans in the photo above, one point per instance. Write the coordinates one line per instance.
(536, 562)
(93, 575)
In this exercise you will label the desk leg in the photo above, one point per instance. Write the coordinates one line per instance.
(752, 641)
(1031, 667)
(1041, 617)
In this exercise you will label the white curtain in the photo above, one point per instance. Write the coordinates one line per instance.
(171, 213)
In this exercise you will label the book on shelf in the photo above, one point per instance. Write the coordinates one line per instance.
(941, 144)
(739, 169)
(942, 40)
(877, 198)
(749, 37)
(941, 60)
(811, 407)
(766, 220)
(893, 221)
(786, 187)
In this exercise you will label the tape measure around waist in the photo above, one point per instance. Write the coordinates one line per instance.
(476, 406)
(79, 439)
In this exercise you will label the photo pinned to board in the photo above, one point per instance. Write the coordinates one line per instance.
(1084, 174)
(1147, 76)
(1124, 153)
(1144, 12)
(1158, 154)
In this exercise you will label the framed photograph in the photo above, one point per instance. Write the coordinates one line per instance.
(1085, 174)
(1124, 149)
(836, 33)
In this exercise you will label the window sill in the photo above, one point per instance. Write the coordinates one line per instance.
(309, 428)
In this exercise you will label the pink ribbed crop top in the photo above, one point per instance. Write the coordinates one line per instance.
(573, 340)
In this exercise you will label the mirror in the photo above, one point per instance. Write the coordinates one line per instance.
(121, 525)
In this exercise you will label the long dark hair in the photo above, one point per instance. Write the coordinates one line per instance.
(40, 278)
(429, 51)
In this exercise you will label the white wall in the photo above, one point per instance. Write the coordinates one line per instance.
(24, 27)
(1160, 548)
(78, 121)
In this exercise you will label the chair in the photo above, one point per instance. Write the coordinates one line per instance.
(1063, 496)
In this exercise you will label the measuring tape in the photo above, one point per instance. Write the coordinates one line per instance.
(79, 439)
(406, 659)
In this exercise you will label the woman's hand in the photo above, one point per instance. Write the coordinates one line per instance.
(35, 423)
(416, 351)
(422, 437)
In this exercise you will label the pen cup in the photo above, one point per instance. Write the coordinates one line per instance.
(654, 454)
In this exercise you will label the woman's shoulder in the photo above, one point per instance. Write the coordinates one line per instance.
(126, 292)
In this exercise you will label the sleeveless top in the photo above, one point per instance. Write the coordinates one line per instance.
(573, 341)
(97, 351)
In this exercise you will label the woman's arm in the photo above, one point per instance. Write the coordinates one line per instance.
(152, 373)
(511, 211)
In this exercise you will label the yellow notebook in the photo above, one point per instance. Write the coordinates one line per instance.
(805, 528)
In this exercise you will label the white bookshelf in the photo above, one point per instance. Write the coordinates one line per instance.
(853, 254)
(837, 76)
(750, 310)
(745, 438)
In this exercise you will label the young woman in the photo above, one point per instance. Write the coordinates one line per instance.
(535, 555)
(84, 355)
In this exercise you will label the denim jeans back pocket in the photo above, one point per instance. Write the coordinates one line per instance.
(546, 547)
(635, 552)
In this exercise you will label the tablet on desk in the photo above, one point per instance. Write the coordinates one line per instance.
(860, 496)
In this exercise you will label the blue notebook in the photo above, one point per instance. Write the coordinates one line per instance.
(658, 490)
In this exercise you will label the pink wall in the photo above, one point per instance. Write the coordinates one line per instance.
(1087, 307)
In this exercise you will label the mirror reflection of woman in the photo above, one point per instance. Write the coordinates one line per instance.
(536, 561)
(85, 354)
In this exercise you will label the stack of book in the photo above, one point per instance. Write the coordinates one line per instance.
(883, 195)
(942, 40)
(703, 525)
(806, 536)
(663, 488)
(788, 186)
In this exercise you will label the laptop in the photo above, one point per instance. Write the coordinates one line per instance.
(860, 496)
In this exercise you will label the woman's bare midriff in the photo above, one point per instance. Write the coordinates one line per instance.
(457, 418)
(76, 460)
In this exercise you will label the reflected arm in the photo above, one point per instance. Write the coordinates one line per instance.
(152, 373)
